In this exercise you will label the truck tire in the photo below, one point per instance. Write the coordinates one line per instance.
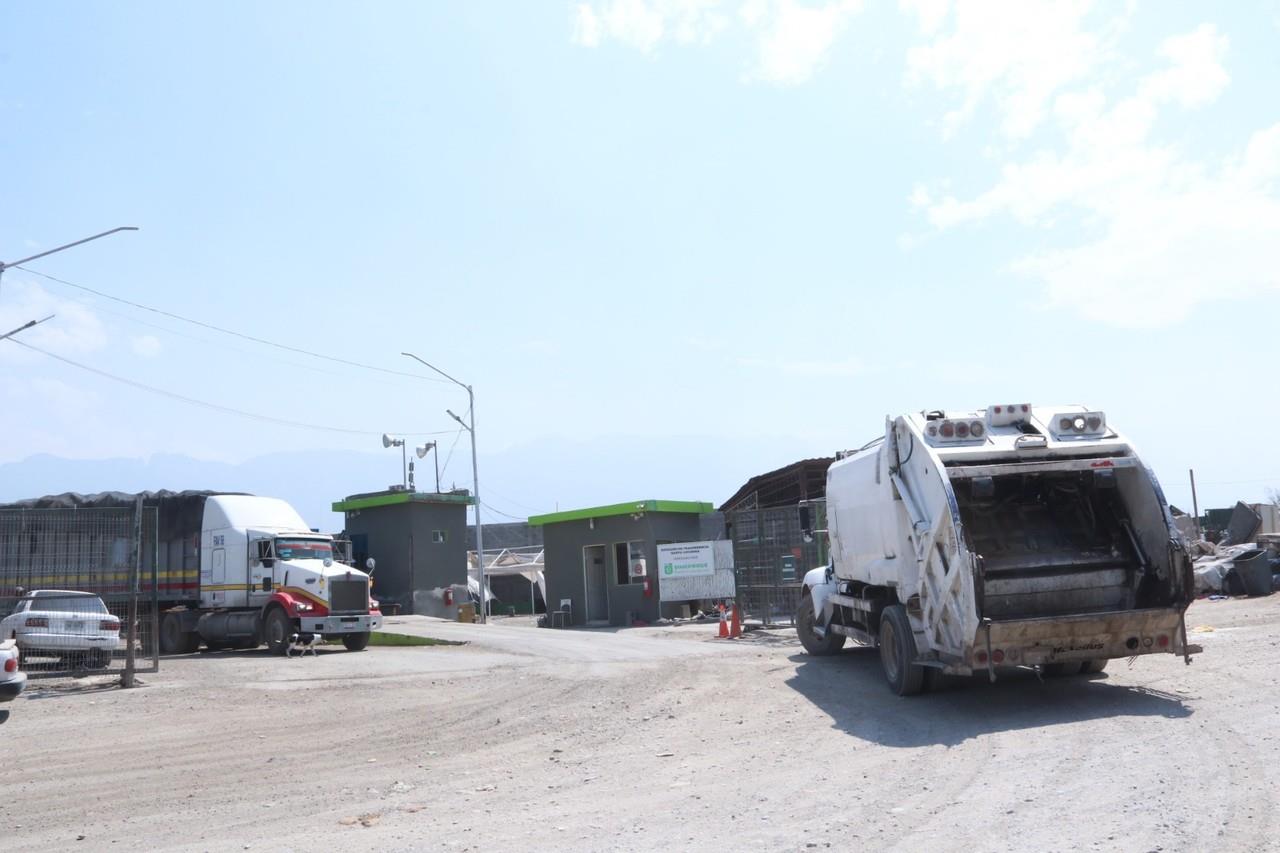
(356, 642)
(174, 640)
(898, 650)
(276, 631)
(828, 644)
(1094, 666)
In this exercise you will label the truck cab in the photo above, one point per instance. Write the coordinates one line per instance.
(265, 577)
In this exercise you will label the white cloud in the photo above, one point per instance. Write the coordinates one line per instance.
(1173, 231)
(1016, 53)
(792, 39)
(643, 24)
(147, 346)
(74, 328)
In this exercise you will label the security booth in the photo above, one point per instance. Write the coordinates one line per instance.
(419, 545)
(601, 563)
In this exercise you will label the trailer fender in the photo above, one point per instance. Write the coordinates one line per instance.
(820, 584)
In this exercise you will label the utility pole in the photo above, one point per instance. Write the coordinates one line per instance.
(475, 476)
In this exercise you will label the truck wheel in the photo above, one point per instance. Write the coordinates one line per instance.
(277, 631)
(898, 650)
(828, 644)
(356, 642)
(1093, 666)
(174, 640)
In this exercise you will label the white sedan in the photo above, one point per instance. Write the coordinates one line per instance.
(12, 678)
(73, 626)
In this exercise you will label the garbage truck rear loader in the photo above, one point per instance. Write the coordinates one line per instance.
(1019, 536)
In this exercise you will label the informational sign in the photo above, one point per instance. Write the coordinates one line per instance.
(687, 560)
(707, 571)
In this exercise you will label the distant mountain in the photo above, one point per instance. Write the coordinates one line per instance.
(539, 476)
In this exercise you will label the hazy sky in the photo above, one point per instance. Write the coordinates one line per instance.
(625, 218)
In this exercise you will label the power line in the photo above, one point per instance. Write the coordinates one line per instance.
(489, 508)
(224, 331)
(449, 455)
(214, 406)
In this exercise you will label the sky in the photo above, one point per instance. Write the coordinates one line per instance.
(763, 223)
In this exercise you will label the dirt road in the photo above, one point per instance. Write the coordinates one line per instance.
(648, 739)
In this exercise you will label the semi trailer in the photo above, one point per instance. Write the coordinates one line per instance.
(222, 570)
(966, 542)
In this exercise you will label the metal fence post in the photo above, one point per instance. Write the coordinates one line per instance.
(126, 680)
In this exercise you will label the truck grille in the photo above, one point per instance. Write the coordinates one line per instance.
(349, 596)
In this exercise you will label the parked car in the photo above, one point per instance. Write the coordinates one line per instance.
(75, 627)
(12, 678)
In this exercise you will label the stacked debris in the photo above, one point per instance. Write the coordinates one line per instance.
(1245, 563)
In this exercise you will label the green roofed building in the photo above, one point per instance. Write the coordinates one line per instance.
(602, 562)
(419, 541)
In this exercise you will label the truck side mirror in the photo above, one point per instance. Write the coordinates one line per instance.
(806, 520)
(264, 553)
(369, 564)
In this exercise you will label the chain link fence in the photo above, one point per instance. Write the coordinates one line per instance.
(772, 550)
(78, 590)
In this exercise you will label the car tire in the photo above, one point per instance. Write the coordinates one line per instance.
(898, 651)
(97, 659)
(276, 631)
(827, 644)
(356, 642)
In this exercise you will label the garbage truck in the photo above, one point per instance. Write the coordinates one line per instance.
(222, 570)
(970, 542)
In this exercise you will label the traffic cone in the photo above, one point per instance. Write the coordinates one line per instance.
(724, 626)
(736, 631)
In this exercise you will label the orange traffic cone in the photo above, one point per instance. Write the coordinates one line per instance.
(736, 631)
(724, 626)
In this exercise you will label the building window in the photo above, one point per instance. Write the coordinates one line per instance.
(626, 556)
(439, 536)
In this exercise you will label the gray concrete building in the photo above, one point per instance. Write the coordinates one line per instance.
(419, 542)
(604, 560)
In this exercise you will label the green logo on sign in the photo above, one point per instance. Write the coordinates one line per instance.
(668, 568)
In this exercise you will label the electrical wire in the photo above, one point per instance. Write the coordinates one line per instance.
(205, 404)
(225, 331)
(449, 455)
(490, 508)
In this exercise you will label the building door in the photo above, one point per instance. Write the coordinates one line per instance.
(597, 590)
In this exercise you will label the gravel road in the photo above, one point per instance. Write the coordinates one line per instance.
(652, 739)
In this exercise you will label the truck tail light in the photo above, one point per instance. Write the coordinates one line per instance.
(1070, 424)
(980, 657)
(956, 430)
(37, 622)
(1163, 641)
(109, 626)
(11, 665)
(997, 656)
(1004, 415)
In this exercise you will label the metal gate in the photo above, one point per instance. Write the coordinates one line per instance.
(772, 550)
(78, 590)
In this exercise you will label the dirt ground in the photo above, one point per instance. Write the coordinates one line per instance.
(527, 739)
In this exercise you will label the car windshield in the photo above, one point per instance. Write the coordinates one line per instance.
(304, 549)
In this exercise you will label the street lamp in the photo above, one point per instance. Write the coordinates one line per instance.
(4, 266)
(390, 441)
(475, 475)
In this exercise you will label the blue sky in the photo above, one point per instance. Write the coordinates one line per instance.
(625, 220)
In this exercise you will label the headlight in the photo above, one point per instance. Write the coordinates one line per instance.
(302, 606)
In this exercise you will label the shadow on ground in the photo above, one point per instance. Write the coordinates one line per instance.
(850, 687)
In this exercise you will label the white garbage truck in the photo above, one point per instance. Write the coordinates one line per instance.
(1018, 536)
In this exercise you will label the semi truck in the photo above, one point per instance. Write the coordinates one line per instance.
(229, 570)
(970, 542)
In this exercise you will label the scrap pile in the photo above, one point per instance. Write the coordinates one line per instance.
(1245, 562)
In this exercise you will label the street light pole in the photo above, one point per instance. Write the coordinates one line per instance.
(4, 266)
(475, 476)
